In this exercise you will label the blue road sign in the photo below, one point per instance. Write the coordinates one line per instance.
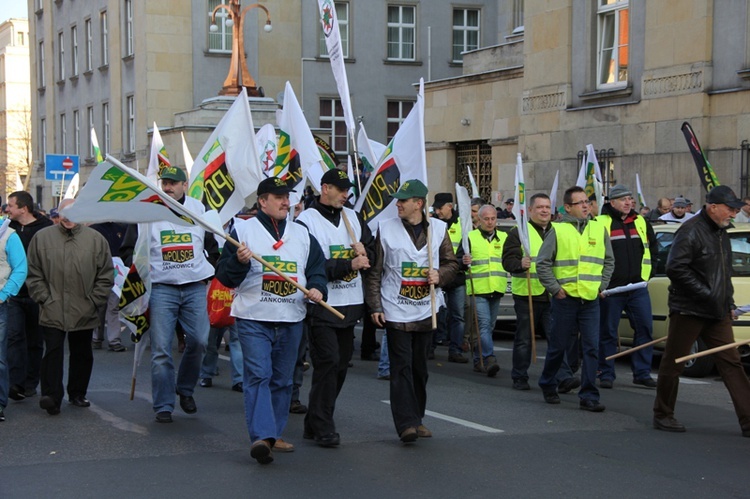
(55, 165)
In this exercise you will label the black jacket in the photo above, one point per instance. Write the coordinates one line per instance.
(513, 254)
(628, 247)
(25, 233)
(700, 269)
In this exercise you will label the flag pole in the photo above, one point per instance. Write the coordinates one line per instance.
(721, 348)
(531, 317)
(429, 263)
(356, 165)
(635, 349)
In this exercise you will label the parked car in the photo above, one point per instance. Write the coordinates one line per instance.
(658, 289)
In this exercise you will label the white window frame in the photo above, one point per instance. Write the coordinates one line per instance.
(219, 42)
(334, 119)
(63, 133)
(402, 28)
(465, 30)
(90, 114)
(61, 56)
(107, 128)
(401, 114)
(610, 9)
(76, 132)
(342, 15)
(130, 105)
(105, 37)
(129, 48)
(41, 73)
(74, 48)
(89, 45)
(43, 139)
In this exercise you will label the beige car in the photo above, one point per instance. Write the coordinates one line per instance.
(658, 289)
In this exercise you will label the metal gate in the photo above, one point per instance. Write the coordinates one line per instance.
(476, 156)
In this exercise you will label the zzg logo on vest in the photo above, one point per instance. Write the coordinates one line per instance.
(182, 252)
(413, 281)
(275, 284)
(341, 251)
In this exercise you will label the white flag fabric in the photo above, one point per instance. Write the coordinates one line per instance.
(72, 190)
(298, 155)
(369, 151)
(404, 159)
(474, 188)
(464, 213)
(350, 174)
(158, 158)
(136, 290)
(590, 176)
(330, 23)
(266, 146)
(553, 194)
(519, 207)
(19, 184)
(187, 156)
(226, 170)
(95, 145)
(641, 198)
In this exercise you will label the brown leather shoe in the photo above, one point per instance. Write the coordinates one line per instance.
(409, 435)
(282, 446)
(668, 424)
(423, 432)
(261, 452)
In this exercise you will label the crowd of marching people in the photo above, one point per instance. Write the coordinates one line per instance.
(302, 283)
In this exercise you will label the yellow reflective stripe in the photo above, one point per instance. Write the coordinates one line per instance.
(592, 259)
(480, 275)
(480, 262)
(565, 263)
(567, 280)
(588, 277)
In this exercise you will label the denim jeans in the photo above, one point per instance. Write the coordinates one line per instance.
(269, 352)
(25, 342)
(441, 334)
(637, 305)
(487, 309)
(384, 365)
(455, 299)
(4, 376)
(167, 305)
(569, 316)
(522, 339)
(211, 359)
(299, 366)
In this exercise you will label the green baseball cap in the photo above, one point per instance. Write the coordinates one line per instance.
(173, 173)
(411, 189)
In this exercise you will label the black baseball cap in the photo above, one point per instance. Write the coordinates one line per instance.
(274, 185)
(722, 194)
(441, 199)
(337, 177)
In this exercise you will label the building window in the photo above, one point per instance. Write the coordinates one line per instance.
(130, 102)
(477, 157)
(21, 38)
(39, 4)
(40, 69)
(63, 134)
(332, 117)
(517, 16)
(398, 110)
(74, 47)
(61, 56)
(402, 29)
(128, 27)
(220, 40)
(105, 38)
(612, 49)
(76, 132)
(43, 140)
(465, 32)
(342, 15)
(89, 45)
(105, 121)
(90, 113)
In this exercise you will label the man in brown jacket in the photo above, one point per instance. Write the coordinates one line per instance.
(398, 295)
(70, 276)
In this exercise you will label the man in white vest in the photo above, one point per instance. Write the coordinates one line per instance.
(269, 310)
(348, 246)
(181, 262)
(398, 294)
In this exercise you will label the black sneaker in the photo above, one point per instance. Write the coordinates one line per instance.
(647, 382)
(17, 392)
(48, 404)
(297, 407)
(187, 403)
(237, 387)
(164, 417)
(493, 370)
(552, 398)
(569, 384)
(591, 406)
(2, 415)
(207, 383)
(521, 384)
(606, 383)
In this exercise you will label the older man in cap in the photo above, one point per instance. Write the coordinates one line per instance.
(679, 212)
(701, 305)
(633, 243)
(269, 310)
(398, 294)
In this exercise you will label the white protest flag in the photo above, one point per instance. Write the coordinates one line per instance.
(474, 188)
(350, 174)
(553, 193)
(72, 190)
(369, 151)
(158, 158)
(297, 155)
(266, 147)
(590, 176)
(404, 159)
(464, 213)
(187, 156)
(19, 184)
(641, 198)
(226, 170)
(519, 207)
(329, 21)
(95, 146)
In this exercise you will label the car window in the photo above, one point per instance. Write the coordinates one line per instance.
(663, 244)
(740, 253)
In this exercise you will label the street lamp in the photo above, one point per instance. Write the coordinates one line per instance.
(239, 76)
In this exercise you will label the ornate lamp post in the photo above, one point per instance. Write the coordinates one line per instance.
(239, 76)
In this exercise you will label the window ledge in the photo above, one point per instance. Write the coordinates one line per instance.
(347, 60)
(744, 73)
(455, 64)
(73, 78)
(104, 68)
(39, 12)
(41, 90)
(391, 62)
(60, 83)
(88, 73)
(213, 53)
(89, 161)
(128, 58)
(608, 93)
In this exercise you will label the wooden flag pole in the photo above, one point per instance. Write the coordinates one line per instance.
(531, 318)
(712, 350)
(635, 349)
(429, 263)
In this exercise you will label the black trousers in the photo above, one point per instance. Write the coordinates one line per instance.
(80, 363)
(369, 342)
(408, 355)
(330, 351)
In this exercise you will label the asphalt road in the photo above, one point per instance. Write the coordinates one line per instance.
(489, 440)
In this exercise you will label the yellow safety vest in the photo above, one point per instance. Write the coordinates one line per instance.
(454, 233)
(487, 272)
(640, 226)
(518, 282)
(579, 262)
